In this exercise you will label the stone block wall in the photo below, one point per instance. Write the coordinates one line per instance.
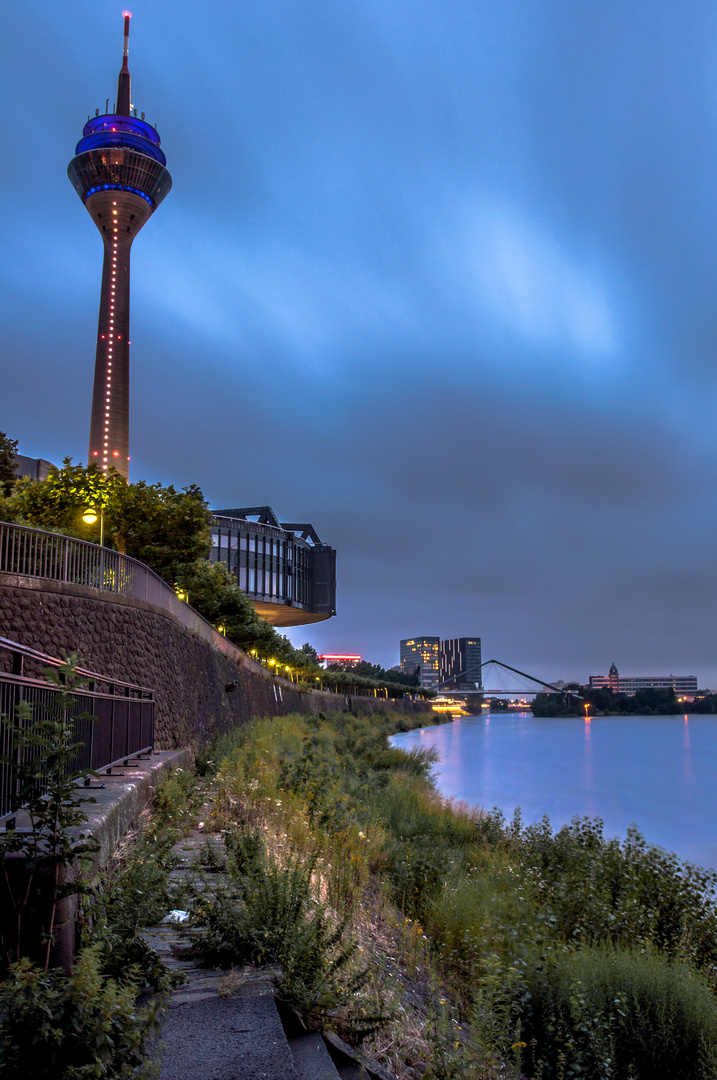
(143, 644)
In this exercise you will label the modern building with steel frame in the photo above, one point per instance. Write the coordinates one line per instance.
(283, 567)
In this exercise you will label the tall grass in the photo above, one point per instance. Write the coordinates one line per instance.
(561, 950)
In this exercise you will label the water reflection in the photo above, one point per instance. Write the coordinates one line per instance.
(588, 771)
(656, 772)
(687, 766)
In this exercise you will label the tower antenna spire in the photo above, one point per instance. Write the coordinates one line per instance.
(123, 83)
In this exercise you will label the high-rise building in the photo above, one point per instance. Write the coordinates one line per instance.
(459, 659)
(119, 173)
(421, 653)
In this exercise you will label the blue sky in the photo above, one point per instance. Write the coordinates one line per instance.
(439, 277)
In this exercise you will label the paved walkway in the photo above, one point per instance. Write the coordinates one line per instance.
(225, 1025)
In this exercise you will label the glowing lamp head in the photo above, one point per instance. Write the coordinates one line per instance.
(126, 14)
(90, 516)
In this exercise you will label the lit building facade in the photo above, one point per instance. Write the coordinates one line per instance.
(630, 684)
(421, 653)
(119, 173)
(459, 660)
(283, 567)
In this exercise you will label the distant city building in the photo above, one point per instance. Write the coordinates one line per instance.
(421, 653)
(630, 684)
(459, 659)
(340, 658)
(284, 568)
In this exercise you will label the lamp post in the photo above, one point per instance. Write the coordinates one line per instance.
(90, 517)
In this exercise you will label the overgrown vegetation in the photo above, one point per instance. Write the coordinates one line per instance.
(537, 953)
(82, 1023)
(458, 945)
(38, 862)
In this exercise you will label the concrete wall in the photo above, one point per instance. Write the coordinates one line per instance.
(137, 642)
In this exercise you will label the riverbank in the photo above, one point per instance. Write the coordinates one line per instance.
(462, 945)
(445, 941)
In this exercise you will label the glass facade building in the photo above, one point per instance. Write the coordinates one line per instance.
(283, 567)
(459, 660)
(421, 653)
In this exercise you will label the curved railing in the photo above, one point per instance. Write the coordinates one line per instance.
(34, 553)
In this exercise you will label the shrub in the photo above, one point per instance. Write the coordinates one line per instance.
(265, 914)
(601, 890)
(64, 1028)
(617, 1014)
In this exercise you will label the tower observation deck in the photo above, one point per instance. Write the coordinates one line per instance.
(120, 174)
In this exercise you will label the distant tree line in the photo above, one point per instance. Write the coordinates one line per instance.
(367, 670)
(605, 702)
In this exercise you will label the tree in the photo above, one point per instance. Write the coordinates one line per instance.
(164, 528)
(312, 657)
(8, 453)
(214, 593)
(57, 503)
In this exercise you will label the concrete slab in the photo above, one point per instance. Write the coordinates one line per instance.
(237, 1038)
(311, 1058)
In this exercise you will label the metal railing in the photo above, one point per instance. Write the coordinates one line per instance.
(120, 723)
(34, 553)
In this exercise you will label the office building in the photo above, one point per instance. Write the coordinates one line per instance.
(459, 664)
(119, 173)
(421, 653)
(284, 568)
(630, 684)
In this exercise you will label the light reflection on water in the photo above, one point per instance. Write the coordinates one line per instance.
(656, 772)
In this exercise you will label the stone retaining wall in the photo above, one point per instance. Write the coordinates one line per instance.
(137, 642)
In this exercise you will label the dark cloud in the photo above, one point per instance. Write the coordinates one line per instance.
(438, 277)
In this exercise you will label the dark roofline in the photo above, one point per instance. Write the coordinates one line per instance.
(266, 516)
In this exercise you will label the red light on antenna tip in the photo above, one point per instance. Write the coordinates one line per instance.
(127, 14)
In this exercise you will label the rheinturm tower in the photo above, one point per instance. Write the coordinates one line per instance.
(120, 174)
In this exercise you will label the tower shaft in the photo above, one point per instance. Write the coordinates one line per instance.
(119, 216)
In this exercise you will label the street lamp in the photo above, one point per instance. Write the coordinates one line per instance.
(90, 517)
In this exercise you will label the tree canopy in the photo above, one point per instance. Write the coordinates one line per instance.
(8, 453)
(166, 529)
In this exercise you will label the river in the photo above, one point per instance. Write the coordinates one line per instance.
(657, 772)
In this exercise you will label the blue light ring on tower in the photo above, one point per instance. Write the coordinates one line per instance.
(105, 140)
(122, 169)
(118, 187)
(115, 122)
